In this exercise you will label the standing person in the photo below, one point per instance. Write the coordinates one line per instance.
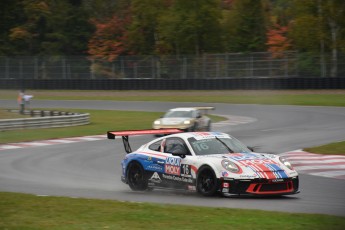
(26, 99)
(21, 102)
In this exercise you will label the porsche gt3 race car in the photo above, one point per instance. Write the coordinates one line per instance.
(206, 162)
(189, 119)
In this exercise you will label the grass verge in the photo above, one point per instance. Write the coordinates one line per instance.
(269, 97)
(22, 211)
(337, 148)
(101, 122)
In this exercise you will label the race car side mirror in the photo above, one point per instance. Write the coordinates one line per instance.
(251, 148)
(182, 155)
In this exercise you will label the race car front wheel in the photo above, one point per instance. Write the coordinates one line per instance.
(136, 177)
(206, 183)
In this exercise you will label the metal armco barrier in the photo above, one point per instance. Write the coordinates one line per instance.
(46, 121)
(176, 84)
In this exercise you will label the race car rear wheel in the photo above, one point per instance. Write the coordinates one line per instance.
(206, 183)
(136, 177)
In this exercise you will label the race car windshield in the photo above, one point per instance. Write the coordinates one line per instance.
(214, 146)
(178, 114)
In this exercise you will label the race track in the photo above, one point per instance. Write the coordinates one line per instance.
(92, 168)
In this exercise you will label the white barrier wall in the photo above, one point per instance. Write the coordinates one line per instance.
(73, 119)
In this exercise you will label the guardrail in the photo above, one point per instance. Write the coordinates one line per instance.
(48, 119)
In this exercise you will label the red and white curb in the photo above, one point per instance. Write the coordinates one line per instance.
(317, 164)
(21, 145)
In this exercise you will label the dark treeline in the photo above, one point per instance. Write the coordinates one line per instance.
(105, 29)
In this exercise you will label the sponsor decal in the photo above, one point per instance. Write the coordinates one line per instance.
(248, 176)
(173, 166)
(278, 180)
(175, 170)
(155, 167)
(177, 178)
(245, 156)
(173, 161)
(208, 135)
(226, 185)
(155, 178)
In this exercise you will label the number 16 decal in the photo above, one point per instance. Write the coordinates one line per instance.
(185, 170)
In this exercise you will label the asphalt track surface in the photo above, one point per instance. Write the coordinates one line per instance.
(92, 169)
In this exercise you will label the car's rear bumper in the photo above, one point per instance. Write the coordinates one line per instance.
(261, 187)
(185, 127)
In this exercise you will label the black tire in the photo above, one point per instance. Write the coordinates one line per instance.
(206, 183)
(136, 177)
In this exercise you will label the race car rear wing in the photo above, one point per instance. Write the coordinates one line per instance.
(126, 133)
(204, 109)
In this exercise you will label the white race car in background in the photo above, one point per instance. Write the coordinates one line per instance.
(188, 119)
(206, 162)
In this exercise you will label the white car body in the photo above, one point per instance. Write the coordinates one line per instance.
(208, 162)
(185, 118)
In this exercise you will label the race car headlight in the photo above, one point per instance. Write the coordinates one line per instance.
(186, 122)
(286, 163)
(230, 166)
(157, 122)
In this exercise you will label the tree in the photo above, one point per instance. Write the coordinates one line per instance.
(27, 34)
(109, 40)
(51, 27)
(245, 26)
(105, 9)
(143, 34)
(11, 14)
(68, 29)
(192, 27)
(318, 27)
(277, 40)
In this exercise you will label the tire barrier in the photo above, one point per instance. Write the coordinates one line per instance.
(45, 119)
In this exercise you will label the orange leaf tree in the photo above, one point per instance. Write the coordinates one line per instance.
(109, 40)
(277, 40)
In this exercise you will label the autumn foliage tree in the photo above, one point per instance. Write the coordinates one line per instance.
(109, 40)
(277, 40)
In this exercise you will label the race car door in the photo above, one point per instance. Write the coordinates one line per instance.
(174, 171)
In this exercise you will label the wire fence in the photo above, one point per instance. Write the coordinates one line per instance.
(206, 66)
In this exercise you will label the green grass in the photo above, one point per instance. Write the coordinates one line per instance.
(101, 122)
(337, 148)
(22, 211)
(4, 114)
(270, 97)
